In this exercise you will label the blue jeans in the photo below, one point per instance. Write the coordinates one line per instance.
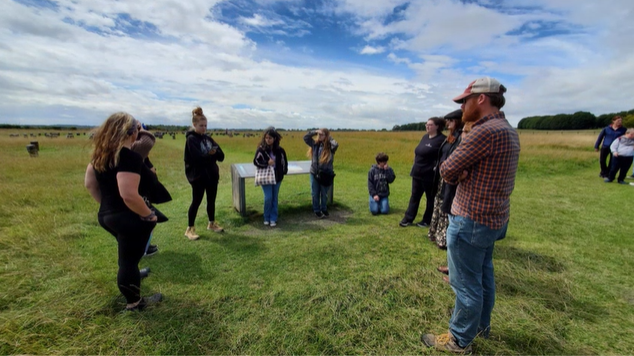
(470, 260)
(379, 207)
(270, 201)
(319, 193)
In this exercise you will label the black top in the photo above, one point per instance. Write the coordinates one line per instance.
(426, 154)
(111, 201)
(281, 162)
(199, 164)
(379, 181)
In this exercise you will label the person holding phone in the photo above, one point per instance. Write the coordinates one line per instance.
(201, 169)
(270, 153)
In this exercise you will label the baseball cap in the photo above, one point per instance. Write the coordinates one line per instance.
(484, 85)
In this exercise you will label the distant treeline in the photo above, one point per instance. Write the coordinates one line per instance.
(580, 120)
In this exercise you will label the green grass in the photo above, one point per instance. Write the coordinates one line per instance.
(351, 284)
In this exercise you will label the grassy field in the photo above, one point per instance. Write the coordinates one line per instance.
(351, 284)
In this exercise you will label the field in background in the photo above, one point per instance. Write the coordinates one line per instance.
(351, 284)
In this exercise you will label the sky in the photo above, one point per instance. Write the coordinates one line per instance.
(297, 64)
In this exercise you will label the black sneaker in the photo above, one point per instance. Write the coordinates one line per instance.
(325, 212)
(319, 214)
(144, 272)
(151, 250)
(422, 224)
(145, 301)
(404, 223)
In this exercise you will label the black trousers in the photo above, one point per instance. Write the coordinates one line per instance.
(621, 165)
(420, 187)
(199, 187)
(605, 155)
(132, 235)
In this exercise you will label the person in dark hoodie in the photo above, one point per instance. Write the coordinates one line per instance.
(380, 177)
(269, 153)
(321, 152)
(605, 139)
(423, 173)
(201, 169)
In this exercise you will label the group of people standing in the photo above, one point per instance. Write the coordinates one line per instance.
(467, 178)
(616, 146)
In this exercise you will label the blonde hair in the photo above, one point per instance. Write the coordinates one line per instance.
(110, 138)
(326, 153)
(629, 131)
(197, 115)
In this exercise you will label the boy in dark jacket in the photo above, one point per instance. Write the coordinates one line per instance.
(379, 178)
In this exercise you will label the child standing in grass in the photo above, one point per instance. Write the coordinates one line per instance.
(622, 149)
(379, 178)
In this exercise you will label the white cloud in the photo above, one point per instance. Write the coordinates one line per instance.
(372, 50)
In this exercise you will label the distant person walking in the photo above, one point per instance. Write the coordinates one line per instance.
(322, 153)
(380, 177)
(201, 169)
(485, 164)
(622, 149)
(423, 173)
(270, 153)
(113, 178)
(605, 139)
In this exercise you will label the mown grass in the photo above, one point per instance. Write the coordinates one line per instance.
(352, 284)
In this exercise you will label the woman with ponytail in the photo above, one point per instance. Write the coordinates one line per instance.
(201, 169)
(321, 151)
(112, 179)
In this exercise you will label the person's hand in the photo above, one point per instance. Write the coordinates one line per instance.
(153, 170)
(463, 176)
(616, 154)
(271, 162)
(376, 198)
(212, 151)
(596, 150)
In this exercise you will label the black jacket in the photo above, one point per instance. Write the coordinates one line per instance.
(379, 181)
(261, 160)
(315, 166)
(199, 164)
(448, 191)
(426, 156)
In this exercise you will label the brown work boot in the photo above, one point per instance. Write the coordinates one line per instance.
(445, 342)
(191, 233)
(215, 227)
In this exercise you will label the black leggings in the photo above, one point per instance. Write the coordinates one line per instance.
(420, 187)
(198, 190)
(605, 155)
(132, 235)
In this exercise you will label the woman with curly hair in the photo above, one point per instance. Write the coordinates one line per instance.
(112, 178)
(270, 153)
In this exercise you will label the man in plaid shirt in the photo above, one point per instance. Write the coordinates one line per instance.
(484, 167)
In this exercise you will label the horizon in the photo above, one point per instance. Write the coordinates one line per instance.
(343, 64)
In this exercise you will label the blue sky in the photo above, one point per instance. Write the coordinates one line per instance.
(295, 64)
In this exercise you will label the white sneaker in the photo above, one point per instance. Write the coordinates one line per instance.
(273, 224)
(266, 223)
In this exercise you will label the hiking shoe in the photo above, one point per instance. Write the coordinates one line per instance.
(623, 182)
(319, 214)
(266, 223)
(191, 233)
(144, 272)
(273, 224)
(215, 227)
(151, 250)
(404, 223)
(325, 212)
(422, 224)
(444, 342)
(146, 301)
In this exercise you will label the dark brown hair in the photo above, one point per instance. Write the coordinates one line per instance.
(381, 157)
(276, 138)
(438, 121)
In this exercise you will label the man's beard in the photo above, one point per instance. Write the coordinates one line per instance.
(471, 114)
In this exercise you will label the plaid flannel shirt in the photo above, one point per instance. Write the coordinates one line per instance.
(490, 154)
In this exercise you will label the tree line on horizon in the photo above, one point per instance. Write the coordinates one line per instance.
(581, 120)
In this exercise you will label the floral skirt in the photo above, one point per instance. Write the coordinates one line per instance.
(439, 221)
